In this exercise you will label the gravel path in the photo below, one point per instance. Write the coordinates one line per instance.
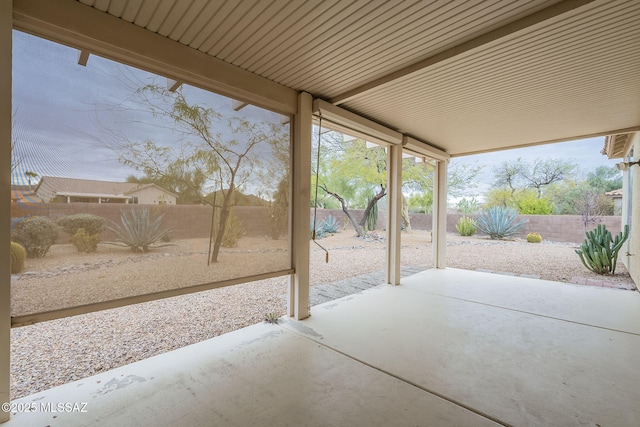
(56, 352)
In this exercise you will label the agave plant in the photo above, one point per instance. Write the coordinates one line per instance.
(331, 225)
(139, 230)
(499, 222)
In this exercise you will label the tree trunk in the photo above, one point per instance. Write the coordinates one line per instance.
(370, 206)
(405, 214)
(358, 227)
(222, 225)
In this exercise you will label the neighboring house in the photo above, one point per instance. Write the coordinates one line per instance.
(22, 193)
(52, 189)
(616, 196)
(626, 147)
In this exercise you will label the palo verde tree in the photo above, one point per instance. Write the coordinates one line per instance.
(353, 174)
(213, 153)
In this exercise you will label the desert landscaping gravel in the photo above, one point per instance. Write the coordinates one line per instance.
(56, 352)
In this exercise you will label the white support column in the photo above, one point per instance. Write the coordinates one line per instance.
(5, 195)
(394, 219)
(301, 200)
(439, 230)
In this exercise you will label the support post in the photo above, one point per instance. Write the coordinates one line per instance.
(439, 228)
(301, 201)
(394, 219)
(6, 25)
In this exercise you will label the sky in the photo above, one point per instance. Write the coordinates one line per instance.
(62, 111)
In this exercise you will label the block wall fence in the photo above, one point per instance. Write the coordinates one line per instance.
(192, 221)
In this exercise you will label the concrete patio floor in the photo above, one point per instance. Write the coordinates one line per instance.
(445, 348)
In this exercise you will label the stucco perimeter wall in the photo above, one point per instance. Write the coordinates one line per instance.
(189, 221)
(556, 228)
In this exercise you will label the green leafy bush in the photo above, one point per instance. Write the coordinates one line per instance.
(599, 251)
(466, 226)
(36, 234)
(500, 222)
(85, 242)
(232, 232)
(18, 257)
(92, 224)
(139, 230)
(534, 238)
(529, 204)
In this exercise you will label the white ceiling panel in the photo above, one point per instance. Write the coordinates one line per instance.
(466, 76)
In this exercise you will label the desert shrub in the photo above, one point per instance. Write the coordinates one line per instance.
(233, 232)
(18, 257)
(16, 221)
(92, 224)
(534, 238)
(139, 230)
(331, 225)
(36, 234)
(529, 204)
(499, 222)
(466, 226)
(599, 251)
(85, 242)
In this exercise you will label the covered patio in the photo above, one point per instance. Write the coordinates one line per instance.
(447, 347)
(434, 80)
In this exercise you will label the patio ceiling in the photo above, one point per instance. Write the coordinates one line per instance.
(464, 76)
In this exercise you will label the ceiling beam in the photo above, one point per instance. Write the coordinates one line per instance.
(86, 28)
(506, 30)
(83, 57)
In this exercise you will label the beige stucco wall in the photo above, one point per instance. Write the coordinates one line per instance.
(152, 196)
(632, 262)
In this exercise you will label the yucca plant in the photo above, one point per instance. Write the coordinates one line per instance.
(599, 251)
(466, 226)
(139, 230)
(500, 222)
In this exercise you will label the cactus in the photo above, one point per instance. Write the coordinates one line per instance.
(18, 257)
(499, 222)
(599, 251)
(85, 242)
(534, 238)
(466, 226)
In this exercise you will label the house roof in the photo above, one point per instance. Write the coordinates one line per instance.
(614, 193)
(50, 186)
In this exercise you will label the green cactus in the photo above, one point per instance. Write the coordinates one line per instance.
(599, 251)
(466, 226)
(534, 238)
(18, 257)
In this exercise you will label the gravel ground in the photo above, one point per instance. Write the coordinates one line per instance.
(56, 352)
